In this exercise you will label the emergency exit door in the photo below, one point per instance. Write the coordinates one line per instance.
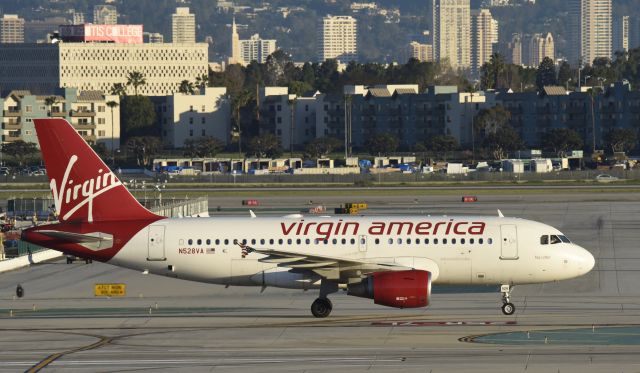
(155, 243)
(508, 242)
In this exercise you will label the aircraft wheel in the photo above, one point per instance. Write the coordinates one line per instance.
(508, 308)
(321, 307)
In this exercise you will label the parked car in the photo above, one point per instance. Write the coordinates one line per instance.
(605, 178)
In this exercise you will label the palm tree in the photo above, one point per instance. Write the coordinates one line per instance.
(238, 101)
(49, 102)
(202, 81)
(118, 89)
(136, 79)
(112, 105)
(186, 87)
(292, 110)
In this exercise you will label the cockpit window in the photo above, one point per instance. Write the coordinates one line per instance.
(555, 239)
(564, 239)
(544, 240)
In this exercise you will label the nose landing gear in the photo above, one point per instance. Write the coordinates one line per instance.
(508, 308)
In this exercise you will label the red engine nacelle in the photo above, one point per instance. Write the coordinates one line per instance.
(401, 289)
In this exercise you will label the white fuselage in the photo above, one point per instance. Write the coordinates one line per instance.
(456, 249)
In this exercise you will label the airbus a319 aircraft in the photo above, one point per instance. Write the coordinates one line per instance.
(392, 260)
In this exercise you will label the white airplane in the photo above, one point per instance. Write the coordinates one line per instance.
(392, 260)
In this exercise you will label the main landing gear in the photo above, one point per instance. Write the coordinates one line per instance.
(322, 306)
(508, 308)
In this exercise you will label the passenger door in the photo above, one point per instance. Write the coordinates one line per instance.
(508, 242)
(155, 243)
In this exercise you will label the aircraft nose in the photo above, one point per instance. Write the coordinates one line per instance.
(587, 261)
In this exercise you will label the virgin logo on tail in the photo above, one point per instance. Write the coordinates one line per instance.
(69, 191)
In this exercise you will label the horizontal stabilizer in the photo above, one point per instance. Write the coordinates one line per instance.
(78, 237)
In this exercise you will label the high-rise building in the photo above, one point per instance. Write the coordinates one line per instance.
(540, 46)
(621, 34)
(590, 30)
(153, 37)
(514, 50)
(421, 52)
(452, 32)
(236, 50)
(337, 38)
(90, 66)
(11, 29)
(634, 33)
(184, 26)
(78, 18)
(256, 49)
(482, 38)
(105, 15)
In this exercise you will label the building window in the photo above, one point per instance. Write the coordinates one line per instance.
(191, 133)
(279, 108)
(28, 108)
(202, 120)
(203, 132)
(203, 108)
(100, 109)
(101, 121)
(190, 120)
(102, 133)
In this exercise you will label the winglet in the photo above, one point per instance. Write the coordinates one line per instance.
(253, 215)
(500, 214)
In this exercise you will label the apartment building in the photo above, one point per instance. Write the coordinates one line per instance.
(256, 49)
(87, 111)
(105, 14)
(11, 29)
(452, 32)
(338, 39)
(590, 30)
(183, 26)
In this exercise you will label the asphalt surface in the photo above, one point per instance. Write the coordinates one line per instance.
(589, 324)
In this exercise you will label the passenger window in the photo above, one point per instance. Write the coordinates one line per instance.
(253, 241)
(544, 240)
(462, 241)
(298, 241)
(453, 241)
(280, 241)
(417, 241)
(471, 241)
(334, 241)
(555, 239)
(307, 241)
(244, 242)
(399, 241)
(199, 242)
(408, 241)
(226, 241)
(390, 241)
(353, 241)
(344, 241)
(262, 241)
(444, 241)
(326, 241)
(208, 242)
(217, 241)
(435, 241)
(490, 241)
(271, 241)
(363, 241)
(316, 241)
(190, 242)
(480, 241)
(289, 241)
(377, 241)
(426, 241)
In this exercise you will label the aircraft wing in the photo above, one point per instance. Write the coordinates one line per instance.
(326, 266)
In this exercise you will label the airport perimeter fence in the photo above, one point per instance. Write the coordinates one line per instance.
(367, 179)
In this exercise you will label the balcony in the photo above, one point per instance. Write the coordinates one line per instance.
(91, 139)
(11, 113)
(12, 126)
(11, 137)
(57, 114)
(83, 113)
(84, 126)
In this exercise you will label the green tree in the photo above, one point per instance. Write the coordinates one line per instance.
(138, 117)
(621, 139)
(20, 150)
(442, 144)
(560, 140)
(207, 146)
(144, 148)
(381, 143)
(565, 74)
(202, 82)
(118, 89)
(100, 149)
(491, 72)
(112, 105)
(49, 102)
(298, 88)
(546, 74)
(136, 79)
(186, 87)
(322, 146)
(265, 145)
(276, 65)
(502, 141)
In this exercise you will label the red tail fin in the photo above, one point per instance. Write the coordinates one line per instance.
(84, 188)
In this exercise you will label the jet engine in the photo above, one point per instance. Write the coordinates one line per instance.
(401, 289)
